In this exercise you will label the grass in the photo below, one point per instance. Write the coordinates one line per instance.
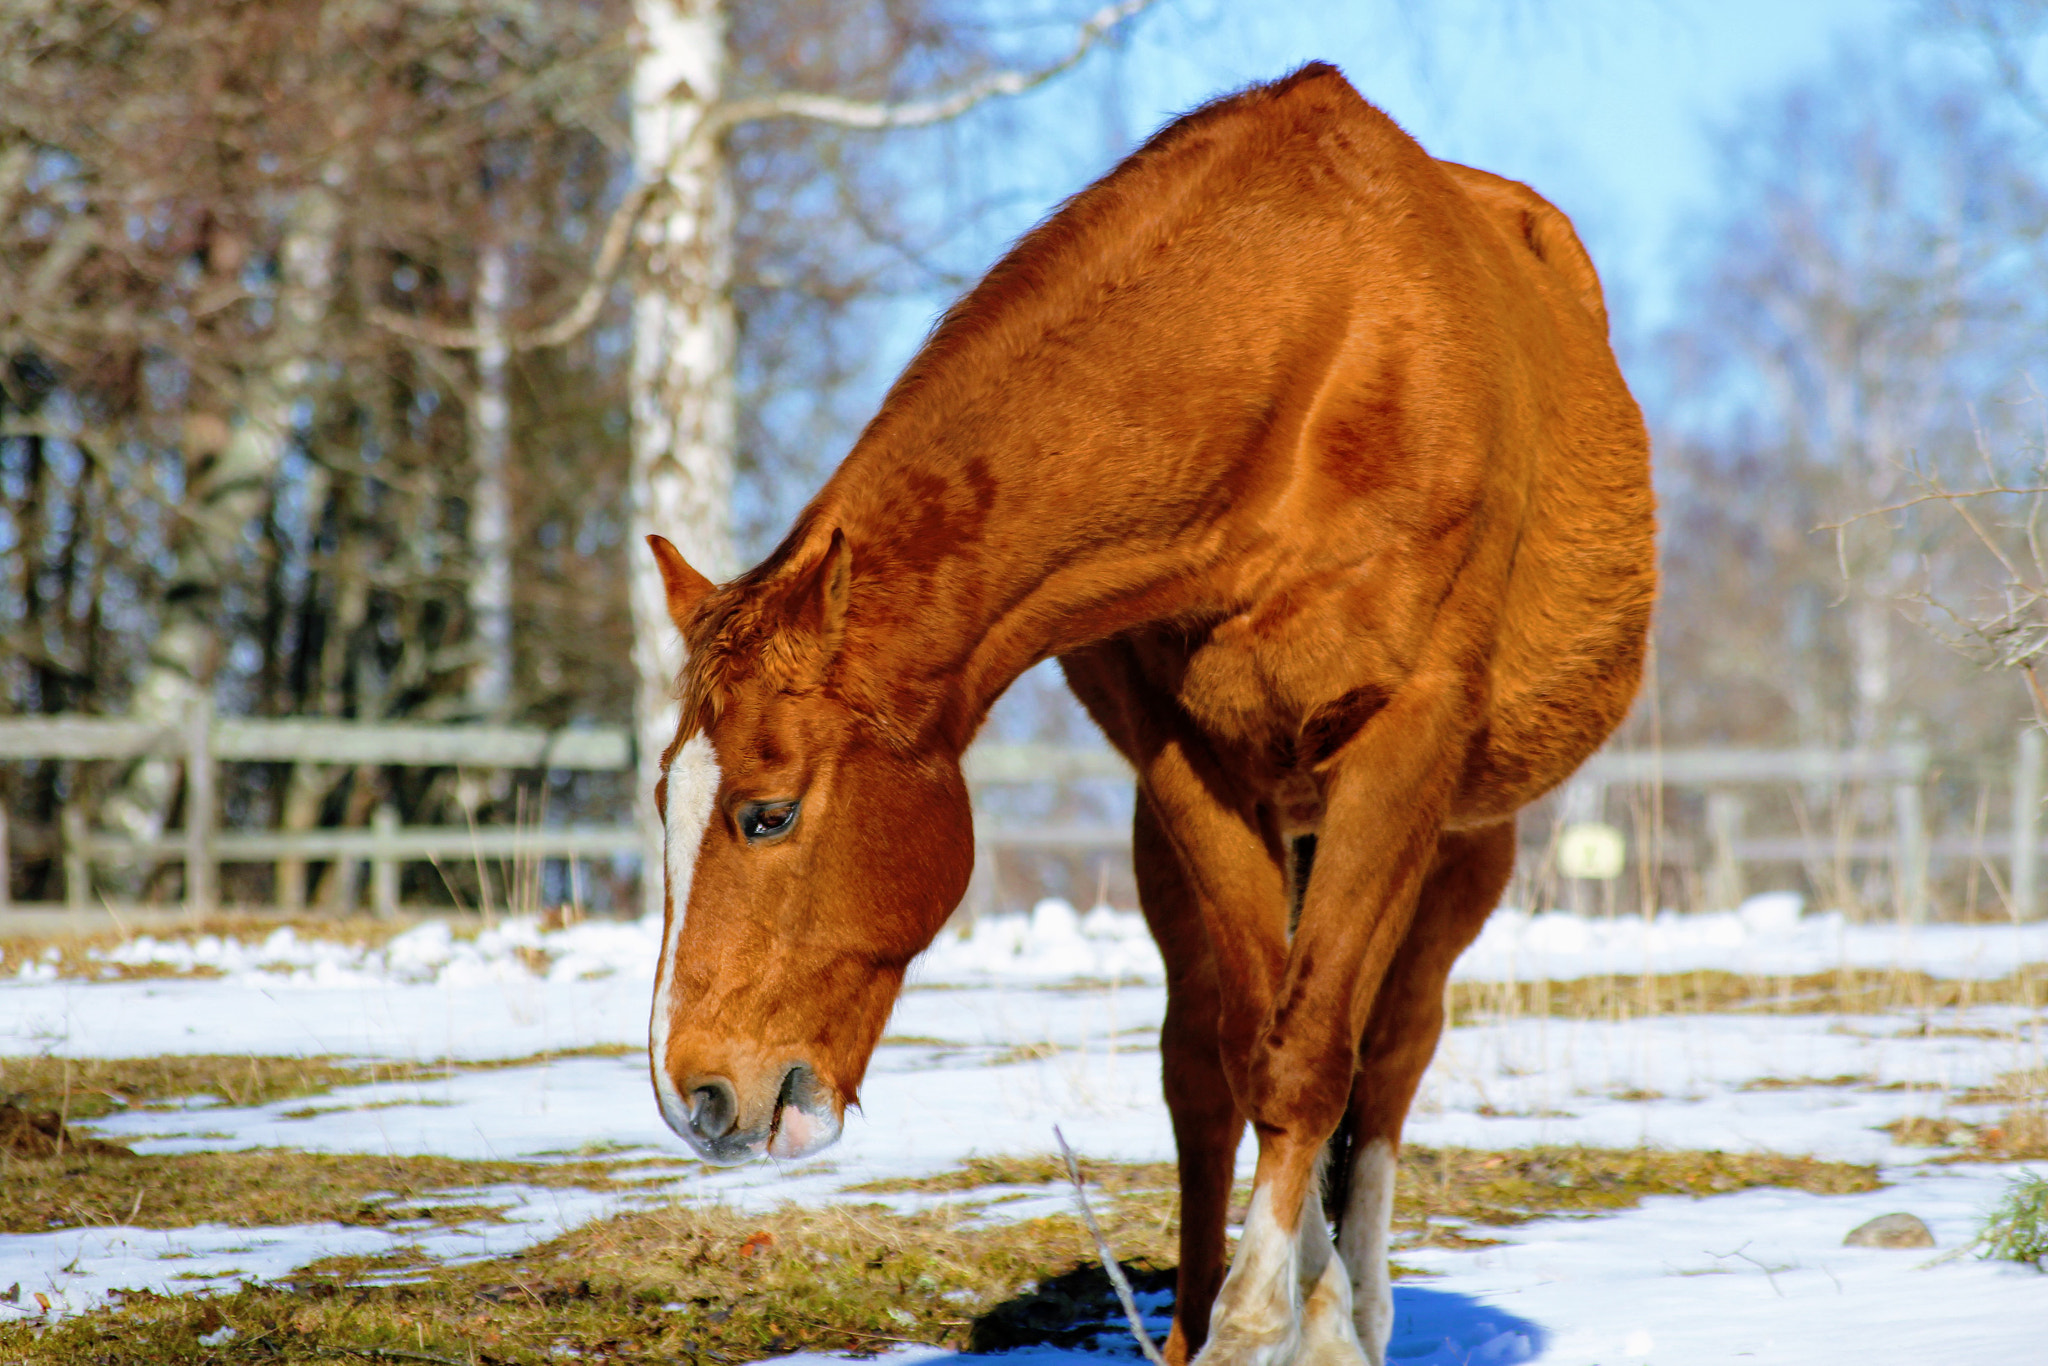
(2017, 1230)
(1707, 991)
(2020, 1135)
(1464, 1184)
(267, 1187)
(709, 1285)
(678, 1284)
(86, 1088)
(75, 955)
(978, 1173)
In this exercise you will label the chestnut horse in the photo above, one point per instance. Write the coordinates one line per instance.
(1307, 456)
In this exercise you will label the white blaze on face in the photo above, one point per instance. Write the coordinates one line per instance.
(692, 786)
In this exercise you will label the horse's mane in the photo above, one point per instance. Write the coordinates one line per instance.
(737, 632)
(1048, 252)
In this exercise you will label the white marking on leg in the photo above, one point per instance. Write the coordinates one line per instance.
(1368, 1223)
(1327, 1337)
(692, 784)
(1257, 1320)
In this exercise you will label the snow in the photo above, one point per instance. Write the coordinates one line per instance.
(1052, 1017)
(1052, 944)
(1766, 934)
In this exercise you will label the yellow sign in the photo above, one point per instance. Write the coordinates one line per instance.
(1591, 849)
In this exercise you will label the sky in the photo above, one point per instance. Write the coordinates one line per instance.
(1607, 107)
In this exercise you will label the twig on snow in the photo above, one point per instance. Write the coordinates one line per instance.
(1108, 1258)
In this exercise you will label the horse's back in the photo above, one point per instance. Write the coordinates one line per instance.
(1425, 350)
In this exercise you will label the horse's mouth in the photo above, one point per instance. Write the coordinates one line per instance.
(804, 1119)
(801, 1120)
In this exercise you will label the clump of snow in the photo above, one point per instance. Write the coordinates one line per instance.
(514, 949)
(1050, 944)
(1769, 933)
(1053, 943)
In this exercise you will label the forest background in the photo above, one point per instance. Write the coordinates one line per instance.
(349, 348)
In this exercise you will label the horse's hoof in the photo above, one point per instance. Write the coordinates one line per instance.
(1327, 1335)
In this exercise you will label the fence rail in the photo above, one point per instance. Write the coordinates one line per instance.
(202, 741)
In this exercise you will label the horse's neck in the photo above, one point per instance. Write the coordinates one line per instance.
(976, 568)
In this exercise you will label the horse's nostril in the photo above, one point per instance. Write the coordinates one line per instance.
(714, 1108)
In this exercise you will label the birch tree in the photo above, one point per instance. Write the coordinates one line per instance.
(226, 487)
(683, 325)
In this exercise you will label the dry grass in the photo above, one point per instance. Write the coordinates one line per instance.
(84, 1088)
(1709, 991)
(2020, 1135)
(680, 1284)
(1505, 1188)
(698, 1285)
(73, 954)
(978, 1173)
(270, 1187)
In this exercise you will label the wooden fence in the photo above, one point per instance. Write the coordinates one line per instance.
(202, 742)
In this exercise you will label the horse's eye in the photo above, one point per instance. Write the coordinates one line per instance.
(764, 821)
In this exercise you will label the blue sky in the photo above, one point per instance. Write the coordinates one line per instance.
(1605, 106)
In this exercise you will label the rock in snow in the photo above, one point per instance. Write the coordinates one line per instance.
(1890, 1230)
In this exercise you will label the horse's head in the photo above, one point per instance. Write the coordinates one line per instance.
(809, 858)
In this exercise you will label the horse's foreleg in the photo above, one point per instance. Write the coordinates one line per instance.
(1206, 1123)
(1384, 802)
(1471, 871)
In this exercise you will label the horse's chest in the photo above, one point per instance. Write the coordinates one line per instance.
(1253, 682)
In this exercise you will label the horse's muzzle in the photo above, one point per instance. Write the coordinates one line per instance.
(800, 1120)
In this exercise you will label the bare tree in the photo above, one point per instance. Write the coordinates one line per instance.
(1862, 310)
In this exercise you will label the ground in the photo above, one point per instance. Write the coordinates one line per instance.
(1639, 1143)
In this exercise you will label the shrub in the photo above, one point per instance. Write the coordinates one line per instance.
(2017, 1230)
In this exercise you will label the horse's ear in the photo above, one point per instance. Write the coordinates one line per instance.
(685, 586)
(821, 604)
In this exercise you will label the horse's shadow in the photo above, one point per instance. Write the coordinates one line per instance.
(1078, 1313)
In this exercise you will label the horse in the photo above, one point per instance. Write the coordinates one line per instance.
(1307, 456)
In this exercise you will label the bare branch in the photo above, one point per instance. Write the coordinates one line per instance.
(618, 233)
(848, 113)
(1109, 1262)
(835, 109)
(1935, 494)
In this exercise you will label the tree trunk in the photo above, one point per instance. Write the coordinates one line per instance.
(226, 484)
(490, 505)
(683, 350)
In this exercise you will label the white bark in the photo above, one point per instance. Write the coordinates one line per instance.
(490, 504)
(221, 494)
(683, 350)
(684, 332)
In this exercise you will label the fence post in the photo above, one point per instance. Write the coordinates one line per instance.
(77, 870)
(1725, 814)
(2026, 833)
(384, 864)
(6, 865)
(200, 816)
(1909, 859)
